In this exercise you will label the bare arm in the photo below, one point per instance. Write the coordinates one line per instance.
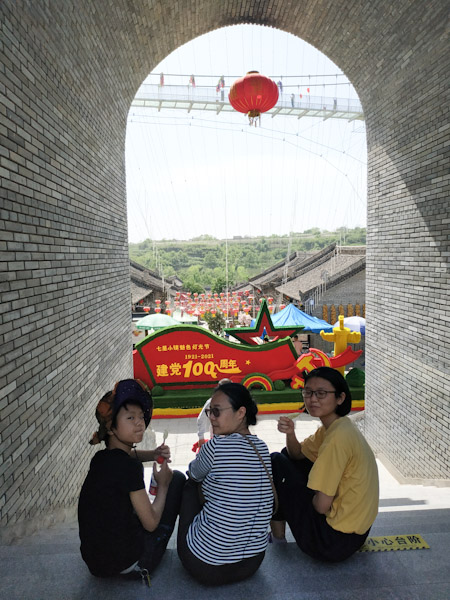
(149, 455)
(150, 514)
(322, 502)
(293, 446)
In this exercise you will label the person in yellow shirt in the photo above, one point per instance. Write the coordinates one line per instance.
(327, 484)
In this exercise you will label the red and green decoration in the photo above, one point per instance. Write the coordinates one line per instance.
(263, 326)
(258, 380)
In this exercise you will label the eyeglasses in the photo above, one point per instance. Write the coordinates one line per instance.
(215, 411)
(319, 393)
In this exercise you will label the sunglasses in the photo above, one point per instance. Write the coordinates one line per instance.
(215, 411)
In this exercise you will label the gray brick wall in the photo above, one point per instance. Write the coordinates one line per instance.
(69, 71)
(350, 291)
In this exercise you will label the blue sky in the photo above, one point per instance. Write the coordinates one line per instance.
(197, 173)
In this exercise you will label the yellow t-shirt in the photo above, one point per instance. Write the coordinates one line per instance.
(345, 468)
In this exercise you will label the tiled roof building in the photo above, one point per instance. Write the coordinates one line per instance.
(147, 285)
(334, 275)
(329, 276)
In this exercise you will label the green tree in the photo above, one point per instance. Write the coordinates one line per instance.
(193, 281)
(219, 285)
(201, 262)
(177, 259)
(241, 275)
(193, 286)
(211, 260)
(205, 236)
(215, 322)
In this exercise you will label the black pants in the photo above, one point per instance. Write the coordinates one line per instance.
(310, 529)
(156, 541)
(203, 572)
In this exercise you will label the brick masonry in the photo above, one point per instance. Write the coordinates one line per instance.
(69, 71)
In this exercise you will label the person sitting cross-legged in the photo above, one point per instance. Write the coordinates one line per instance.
(327, 484)
(122, 533)
(224, 539)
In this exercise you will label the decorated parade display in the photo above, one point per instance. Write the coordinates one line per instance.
(182, 364)
(341, 336)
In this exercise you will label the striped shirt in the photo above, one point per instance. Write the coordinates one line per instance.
(234, 520)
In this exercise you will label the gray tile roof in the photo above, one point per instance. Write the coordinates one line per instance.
(274, 274)
(145, 281)
(138, 292)
(328, 266)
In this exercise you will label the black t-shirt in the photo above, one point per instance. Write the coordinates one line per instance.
(112, 537)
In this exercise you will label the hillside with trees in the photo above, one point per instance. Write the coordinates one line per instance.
(201, 262)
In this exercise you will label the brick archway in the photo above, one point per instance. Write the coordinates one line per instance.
(70, 72)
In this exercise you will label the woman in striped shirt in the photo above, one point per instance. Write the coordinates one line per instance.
(224, 539)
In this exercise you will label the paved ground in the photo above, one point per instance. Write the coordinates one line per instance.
(48, 566)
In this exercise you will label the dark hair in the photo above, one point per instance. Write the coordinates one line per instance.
(339, 384)
(238, 395)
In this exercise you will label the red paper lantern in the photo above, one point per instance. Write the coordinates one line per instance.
(157, 310)
(253, 94)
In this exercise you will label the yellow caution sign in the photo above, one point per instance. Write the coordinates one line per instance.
(386, 543)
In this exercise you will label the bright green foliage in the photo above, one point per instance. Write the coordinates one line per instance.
(356, 377)
(219, 285)
(279, 384)
(200, 263)
(215, 323)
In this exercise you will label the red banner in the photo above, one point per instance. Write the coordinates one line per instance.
(191, 357)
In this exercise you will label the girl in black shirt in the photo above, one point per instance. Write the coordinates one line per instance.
(121, 531)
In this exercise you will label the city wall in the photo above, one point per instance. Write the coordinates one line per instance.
(69, 71)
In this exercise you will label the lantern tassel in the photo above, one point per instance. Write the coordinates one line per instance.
(254, 117)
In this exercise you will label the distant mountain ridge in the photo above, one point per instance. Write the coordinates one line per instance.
(201, 262)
